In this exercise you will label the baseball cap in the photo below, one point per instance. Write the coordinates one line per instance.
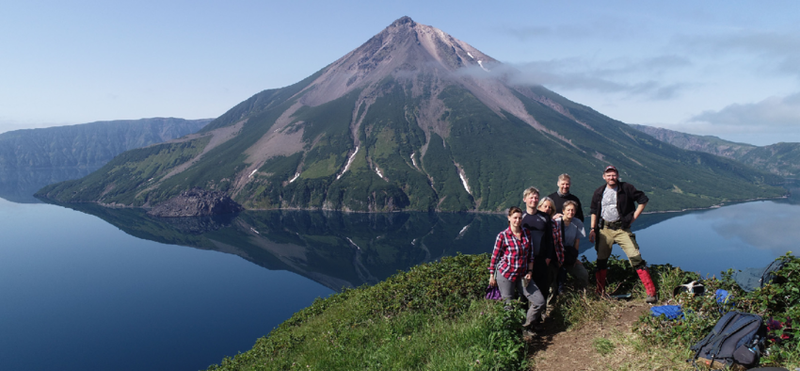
(610, 168)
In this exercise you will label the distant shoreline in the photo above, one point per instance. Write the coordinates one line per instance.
(716, 206)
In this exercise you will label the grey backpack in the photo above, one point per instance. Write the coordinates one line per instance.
(752, 279)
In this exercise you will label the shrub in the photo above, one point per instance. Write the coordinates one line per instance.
(433, 316)
(779, 300)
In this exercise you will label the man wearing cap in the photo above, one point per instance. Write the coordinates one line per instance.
(613, 209)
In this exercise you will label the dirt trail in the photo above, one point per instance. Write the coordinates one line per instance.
(561, 350)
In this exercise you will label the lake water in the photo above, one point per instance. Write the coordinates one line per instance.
(104, 289)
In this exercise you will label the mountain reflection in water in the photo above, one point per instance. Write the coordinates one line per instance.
(336, 249)
(340, 250)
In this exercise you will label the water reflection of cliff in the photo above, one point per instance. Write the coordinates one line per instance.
(19, 185)
(335, 249)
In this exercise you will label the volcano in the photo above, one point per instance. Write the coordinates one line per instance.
(413, 119)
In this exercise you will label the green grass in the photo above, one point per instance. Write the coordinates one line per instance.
(661, 344)
(432, 317)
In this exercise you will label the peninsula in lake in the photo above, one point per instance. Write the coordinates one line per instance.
(33, 158)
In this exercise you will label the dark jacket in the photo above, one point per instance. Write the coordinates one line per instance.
(627, 198)
(559, 203)
(541, 234)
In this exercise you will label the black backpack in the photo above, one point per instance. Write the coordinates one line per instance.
(736, 339)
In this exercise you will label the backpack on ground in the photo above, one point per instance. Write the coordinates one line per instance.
(752, 279)
(736, 340)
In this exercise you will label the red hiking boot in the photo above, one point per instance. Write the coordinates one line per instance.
(649, 287)
(600, 278)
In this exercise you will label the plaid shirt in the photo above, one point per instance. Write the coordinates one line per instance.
(559, 244)
(511, 255)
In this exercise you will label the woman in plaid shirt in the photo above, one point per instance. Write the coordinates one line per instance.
(511, 268)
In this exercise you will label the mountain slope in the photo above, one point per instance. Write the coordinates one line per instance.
(87, 145)
(412, 119)
(31, 159)
(781, 158)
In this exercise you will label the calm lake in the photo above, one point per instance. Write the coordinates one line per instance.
(102, 289)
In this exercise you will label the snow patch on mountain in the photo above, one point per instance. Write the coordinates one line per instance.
(464, 182)
(349, 161)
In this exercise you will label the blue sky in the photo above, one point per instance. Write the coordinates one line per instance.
(712, 67)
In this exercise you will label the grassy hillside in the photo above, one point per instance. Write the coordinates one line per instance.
(120, 179)
(434, 317)
(427, 318)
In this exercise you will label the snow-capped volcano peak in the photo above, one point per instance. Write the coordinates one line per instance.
(404, 49)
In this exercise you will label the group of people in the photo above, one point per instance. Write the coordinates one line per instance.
(535, 254)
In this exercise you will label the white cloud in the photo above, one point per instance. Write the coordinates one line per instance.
(774, 112)
(756, 225)
(773, 52)
(623, 76)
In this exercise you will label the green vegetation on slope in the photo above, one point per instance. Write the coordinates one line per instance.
(497, 153)
(674, 178)
(779, 300)
(390, 135)
(119, 180)
(432, 317)
(781, 158)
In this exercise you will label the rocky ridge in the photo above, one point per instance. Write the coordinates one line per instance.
(196, 202)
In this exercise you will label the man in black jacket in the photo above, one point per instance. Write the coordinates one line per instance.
(616, 205)
(563, 195)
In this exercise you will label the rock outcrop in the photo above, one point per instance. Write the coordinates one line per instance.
(196, 202)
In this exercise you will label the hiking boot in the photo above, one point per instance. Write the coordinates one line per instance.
(649, 286)
(534, 330)
(526, 333)
(547, 313)
(600, 278)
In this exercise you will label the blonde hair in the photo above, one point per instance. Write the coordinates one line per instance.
(529, 191)
(550, 200)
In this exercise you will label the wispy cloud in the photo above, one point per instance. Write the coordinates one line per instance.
(622, 76)
(775, 52)
(606, 27)
(773, 112)
(756, 225)
(528, 33)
